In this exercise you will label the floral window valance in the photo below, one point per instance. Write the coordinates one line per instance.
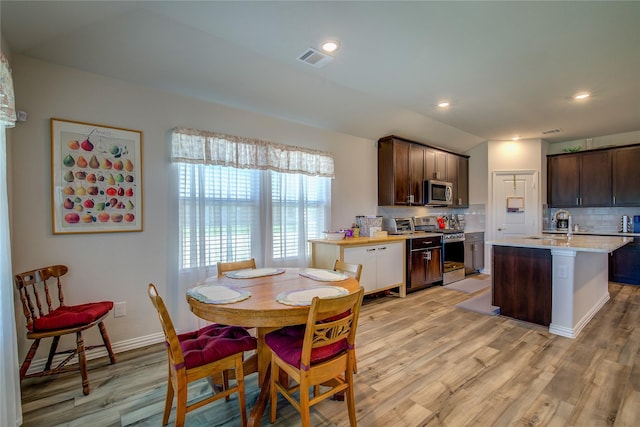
(196, 146)
(7, 100)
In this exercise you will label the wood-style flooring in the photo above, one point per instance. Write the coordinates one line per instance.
(421, 362)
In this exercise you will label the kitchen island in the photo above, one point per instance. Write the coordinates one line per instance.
(555, 281)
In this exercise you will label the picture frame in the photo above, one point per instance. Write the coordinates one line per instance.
(515, 204)
(96, 178)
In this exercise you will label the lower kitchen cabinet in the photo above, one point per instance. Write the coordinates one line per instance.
(382, 263)
(624, 264)
(473, 252)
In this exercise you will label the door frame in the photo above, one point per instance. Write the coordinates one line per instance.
(492, 209)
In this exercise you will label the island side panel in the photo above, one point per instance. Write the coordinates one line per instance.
(522, 283)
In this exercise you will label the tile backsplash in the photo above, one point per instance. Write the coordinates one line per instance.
(474, 215)
(599, 220)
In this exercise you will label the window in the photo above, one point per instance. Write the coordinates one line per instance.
(243, 198)
(229, 214)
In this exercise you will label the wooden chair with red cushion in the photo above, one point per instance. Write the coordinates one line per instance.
(212, 350)
(38, 290)
(225, 267)
(321, 353)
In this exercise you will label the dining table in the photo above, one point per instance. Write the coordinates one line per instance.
(266, 299)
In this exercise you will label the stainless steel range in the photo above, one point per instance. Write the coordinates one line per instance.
(453, 248)
(452, 245)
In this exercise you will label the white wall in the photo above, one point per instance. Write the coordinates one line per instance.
(118, 266)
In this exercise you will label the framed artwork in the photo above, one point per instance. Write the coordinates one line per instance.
(96, 178)
(515, 204)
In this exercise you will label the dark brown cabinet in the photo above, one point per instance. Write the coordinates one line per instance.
(404, 165)
(458, 175)
(400, 173)
(626, 176)
(473, 252)
(425, 268)
(624, 264)
(580, 179)
(522, 283)
(435, 164)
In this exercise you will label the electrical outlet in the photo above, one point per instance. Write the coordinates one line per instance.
(120, 309)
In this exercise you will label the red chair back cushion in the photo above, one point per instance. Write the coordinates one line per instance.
(214, 342)
(72, 316)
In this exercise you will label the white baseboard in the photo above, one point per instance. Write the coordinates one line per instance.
(118, 347)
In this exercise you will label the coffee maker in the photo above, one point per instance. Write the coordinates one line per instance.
(561, 219)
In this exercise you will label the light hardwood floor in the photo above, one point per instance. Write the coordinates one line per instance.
(421, 362)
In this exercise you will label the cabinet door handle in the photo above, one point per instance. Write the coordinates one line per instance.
(614, 200)
(383, 248)
(427, 255)
(371, 250)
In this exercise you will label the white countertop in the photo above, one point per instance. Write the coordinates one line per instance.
(593, 233)
(578, 243)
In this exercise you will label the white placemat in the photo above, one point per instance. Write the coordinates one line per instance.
(218, 294)
(304, 296)
(250, 273)
(323, 275)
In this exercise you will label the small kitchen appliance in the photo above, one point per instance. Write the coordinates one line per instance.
(561, 219)
(399, 225)
(636, 223)
(626, 226)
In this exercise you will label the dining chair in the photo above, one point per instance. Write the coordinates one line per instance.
(40, 291)
(224, 267)
(353, 270)
(321, 353)
(212, 350)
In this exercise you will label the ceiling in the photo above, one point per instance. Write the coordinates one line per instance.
(508, 68)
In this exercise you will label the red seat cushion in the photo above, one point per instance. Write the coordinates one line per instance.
(214, 342)
(72, 316)
(287, 344)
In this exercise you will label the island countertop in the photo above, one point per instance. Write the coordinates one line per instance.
(578, 243)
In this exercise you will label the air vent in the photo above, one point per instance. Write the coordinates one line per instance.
(547, 132)
(315, 58)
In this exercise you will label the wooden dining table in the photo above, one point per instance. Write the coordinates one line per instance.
(262, 311)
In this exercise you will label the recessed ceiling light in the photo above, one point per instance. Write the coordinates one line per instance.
(443, 104)
(515, 138)
(583, 95)
(330, 46)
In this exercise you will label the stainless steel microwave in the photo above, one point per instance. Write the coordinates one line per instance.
(438, 193)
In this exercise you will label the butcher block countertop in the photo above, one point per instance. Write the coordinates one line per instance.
(361, 240)
(578, 243)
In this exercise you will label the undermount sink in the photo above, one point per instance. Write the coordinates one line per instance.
(547, 237)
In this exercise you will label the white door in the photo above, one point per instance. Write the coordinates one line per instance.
(515, 204)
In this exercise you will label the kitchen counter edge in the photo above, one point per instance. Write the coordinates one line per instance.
(361, 240)
(593, 233)
(583, 243)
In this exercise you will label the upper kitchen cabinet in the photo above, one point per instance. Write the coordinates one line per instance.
(580, 179)
(403, 165)
(400, 172)
(435, 164)
(458, 175)
(626, 176)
